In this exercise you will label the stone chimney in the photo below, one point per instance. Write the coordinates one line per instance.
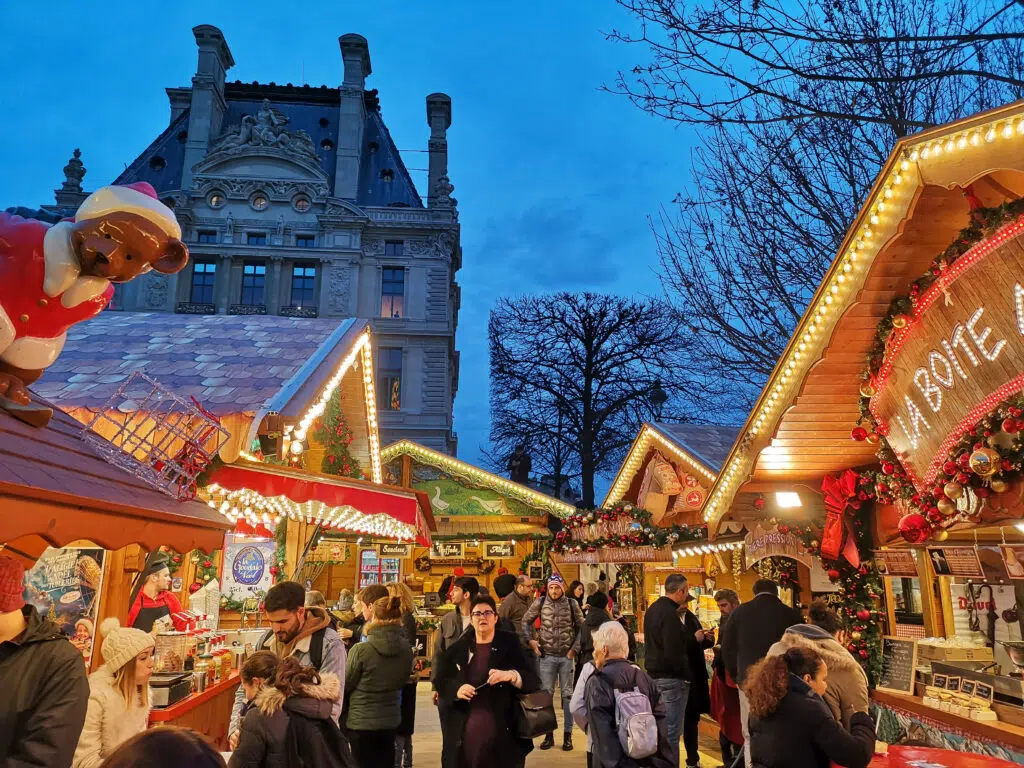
(439, 118)
(208, 106)
(70, 195)
(355, 56)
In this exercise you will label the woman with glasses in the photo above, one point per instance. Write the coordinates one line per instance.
(480, 676)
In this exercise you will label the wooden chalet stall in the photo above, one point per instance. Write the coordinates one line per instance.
(667, 473)
(485, 525)
(88, 525)
(896, 408)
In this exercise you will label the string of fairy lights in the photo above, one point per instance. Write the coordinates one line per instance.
(256, 509)
(296, 435)
(485, 479)
(888, 206)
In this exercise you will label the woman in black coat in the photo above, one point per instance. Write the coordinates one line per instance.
(480, 676)
(791, 726)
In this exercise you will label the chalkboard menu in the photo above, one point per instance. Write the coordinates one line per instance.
(899, 662)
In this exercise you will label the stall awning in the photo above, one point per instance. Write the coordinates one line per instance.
(263, 493)
(55, 490)
(489, 529)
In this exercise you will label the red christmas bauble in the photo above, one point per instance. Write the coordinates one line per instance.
(915, 528)
(949, 468)
(759, 502)
(864, 614)
(833, 574)
(207, 564)
(888, 468)
(783, 529)
(964, 460)
(851, 648)
(274, 570)
(859, 434)
(862, 653)
(194, 587)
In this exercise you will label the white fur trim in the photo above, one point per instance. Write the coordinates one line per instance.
(125, 200)
(6, 331)
(83, 289)
(33, 354)
(62, 267)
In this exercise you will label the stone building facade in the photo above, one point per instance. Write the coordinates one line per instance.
(294, 200)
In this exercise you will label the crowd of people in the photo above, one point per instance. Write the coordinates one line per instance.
(339, 688)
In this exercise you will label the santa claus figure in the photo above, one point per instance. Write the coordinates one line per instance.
(52, 277)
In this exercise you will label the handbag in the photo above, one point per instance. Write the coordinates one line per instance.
(535, 715)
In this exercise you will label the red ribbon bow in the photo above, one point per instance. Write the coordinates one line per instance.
(838, 536)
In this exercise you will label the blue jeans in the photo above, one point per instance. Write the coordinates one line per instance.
(558, 668)
(673, 695)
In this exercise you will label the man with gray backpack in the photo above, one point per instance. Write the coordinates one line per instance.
(625, 719)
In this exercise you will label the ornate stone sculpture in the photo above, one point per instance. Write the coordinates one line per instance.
(339, 285)
(443, 192)
(267, 129)
(74, 172)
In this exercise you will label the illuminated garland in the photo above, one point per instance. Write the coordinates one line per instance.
(986, 459)
(634, 528)
(860, 614)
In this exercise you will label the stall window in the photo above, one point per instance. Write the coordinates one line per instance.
(204, 274)
(392, 292)
(906, 594)
(389, 378)
(254, 278)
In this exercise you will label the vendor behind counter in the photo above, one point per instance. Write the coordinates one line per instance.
(151, 598)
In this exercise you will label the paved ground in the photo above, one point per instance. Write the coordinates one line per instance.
(427, 743)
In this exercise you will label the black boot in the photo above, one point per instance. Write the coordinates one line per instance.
(549, 741)
(567, 744)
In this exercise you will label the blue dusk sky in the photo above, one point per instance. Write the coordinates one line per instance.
(554, 178)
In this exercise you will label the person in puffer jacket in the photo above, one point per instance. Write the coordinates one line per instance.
(290, 722)
(557, 643)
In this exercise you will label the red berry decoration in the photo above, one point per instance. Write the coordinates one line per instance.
(859, 434)
(783, 529)
(864, 614)
(833, 574)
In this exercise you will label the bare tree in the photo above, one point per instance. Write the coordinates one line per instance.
(797, 105)
(572, 376)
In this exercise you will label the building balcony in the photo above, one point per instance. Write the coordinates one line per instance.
(293, 311)
(195, 308)
(247, 309)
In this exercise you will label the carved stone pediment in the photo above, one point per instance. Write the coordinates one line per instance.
(266, 130)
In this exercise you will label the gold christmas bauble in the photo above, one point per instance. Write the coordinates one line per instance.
(900, 321)
(946, 507)
(872, 438)
(867, 389)
(814, 543)
(999, 485)
(984, 462)
(855, 635)
(940, 535)
(953, 489)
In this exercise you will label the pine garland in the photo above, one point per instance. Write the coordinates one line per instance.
(334, 435)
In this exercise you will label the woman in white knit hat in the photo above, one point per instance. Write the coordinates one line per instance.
(118, 693)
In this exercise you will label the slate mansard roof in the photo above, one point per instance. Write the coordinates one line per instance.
(305, 106)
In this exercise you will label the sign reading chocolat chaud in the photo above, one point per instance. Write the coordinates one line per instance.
(957, 358)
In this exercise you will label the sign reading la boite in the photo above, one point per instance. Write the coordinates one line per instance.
(962, 353)
(248, 566)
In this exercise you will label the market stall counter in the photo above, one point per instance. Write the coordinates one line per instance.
(207, 712)
(917, 757)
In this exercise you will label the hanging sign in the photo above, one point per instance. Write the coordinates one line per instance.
(963, 350)
(499, 550)
(65, 585)
(385, 549)
(447, 549)
(956, 561)
(898, 563)
(1013, 559)
(768, 541)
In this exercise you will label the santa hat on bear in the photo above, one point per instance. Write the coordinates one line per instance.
(139, 198)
